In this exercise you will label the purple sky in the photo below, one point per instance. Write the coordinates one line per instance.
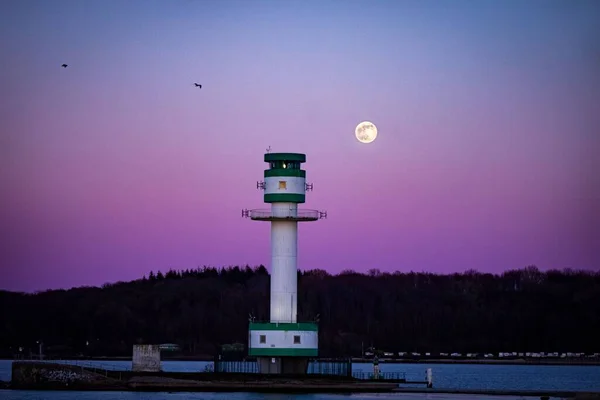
(487, 154)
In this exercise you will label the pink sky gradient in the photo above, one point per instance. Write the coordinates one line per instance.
(487, 154)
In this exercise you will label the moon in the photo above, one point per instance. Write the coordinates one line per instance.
(366, 132)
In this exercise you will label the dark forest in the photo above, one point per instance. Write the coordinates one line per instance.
(202, 309)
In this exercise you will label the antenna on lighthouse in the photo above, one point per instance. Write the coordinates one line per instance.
(269, 149)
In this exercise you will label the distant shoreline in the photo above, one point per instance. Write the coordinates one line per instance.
(489, 361)
(495, 361)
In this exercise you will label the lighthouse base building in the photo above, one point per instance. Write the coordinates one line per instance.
(283, 345)
(283, 348)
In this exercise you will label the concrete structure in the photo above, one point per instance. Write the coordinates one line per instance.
(146, 358)
(284, 345)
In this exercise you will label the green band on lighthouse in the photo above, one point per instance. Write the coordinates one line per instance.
(284, 198)
(297, 157)
(285, 172)
(284, 326)
(279, 352)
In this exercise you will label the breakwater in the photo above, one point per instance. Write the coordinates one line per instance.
(48, 376)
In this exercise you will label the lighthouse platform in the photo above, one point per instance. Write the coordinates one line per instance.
(284, 214)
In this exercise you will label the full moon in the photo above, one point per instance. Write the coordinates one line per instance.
(366, 132)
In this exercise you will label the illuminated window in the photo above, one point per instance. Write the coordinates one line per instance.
(263, 339)
(296, 339)
(282, 185)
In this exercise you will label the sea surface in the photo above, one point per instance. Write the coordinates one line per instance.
(447, 376)
(55, 395)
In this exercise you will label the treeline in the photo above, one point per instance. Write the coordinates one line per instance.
(201, 309)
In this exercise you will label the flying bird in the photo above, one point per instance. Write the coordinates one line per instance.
(64, 65)
(199, 86)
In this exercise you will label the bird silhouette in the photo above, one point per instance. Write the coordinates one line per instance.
(64, 65)
(199, 86)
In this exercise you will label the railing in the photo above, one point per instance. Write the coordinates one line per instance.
(244, 367)
(315, 367)
(338, 368)
(284, 213)
(383, 376)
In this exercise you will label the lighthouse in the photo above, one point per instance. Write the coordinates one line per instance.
(284, 345)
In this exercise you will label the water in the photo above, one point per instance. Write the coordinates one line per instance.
(32, 395)
(447, 376)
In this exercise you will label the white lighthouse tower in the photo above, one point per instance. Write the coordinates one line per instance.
(284, 345)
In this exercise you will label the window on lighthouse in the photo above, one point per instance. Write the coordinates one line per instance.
(263, 339)
(296, 339)
(283, 185)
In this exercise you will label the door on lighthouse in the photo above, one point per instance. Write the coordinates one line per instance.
(270, 365)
